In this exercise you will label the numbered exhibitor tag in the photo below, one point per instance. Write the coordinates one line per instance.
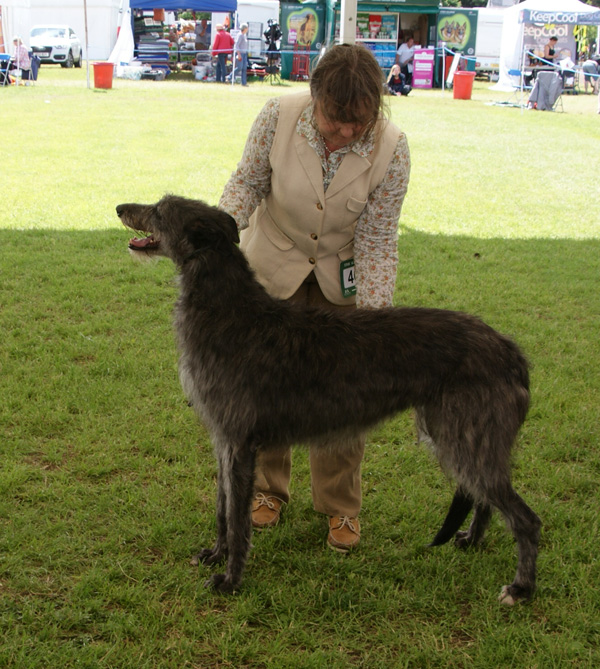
(348, 278)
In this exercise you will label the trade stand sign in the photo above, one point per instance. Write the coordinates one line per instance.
(423, 66)
(557, 17)
(535, 36)
(302, 26)
(303, 32)
(457, 29)
(540, 26)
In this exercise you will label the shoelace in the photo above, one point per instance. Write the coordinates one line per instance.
(346, 521)
(263, 500)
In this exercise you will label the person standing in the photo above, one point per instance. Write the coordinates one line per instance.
(317, 195)
(240, 50)
(222, 48)
(550, 50)
(201, 35)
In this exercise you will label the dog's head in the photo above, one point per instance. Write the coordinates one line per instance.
(178, 228)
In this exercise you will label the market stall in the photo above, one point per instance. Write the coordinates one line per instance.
(152, 43)
(309, 26)
(529, 24)
(382, 26)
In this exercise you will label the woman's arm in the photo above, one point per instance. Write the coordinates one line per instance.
(376, 234)
(251, 181)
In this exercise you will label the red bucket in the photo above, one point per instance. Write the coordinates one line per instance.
(463, 85)
(103, 75)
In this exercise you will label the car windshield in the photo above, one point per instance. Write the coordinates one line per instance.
(49, 32)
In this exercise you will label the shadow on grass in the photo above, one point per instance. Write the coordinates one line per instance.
(107, 484)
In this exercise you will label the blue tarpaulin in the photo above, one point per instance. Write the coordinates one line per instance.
(180, 5)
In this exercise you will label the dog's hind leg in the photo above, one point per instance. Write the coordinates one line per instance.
(462, 503)
(237, 476)
(525, 526)
(477, 528)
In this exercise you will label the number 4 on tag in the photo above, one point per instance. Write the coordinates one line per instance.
(348, 278)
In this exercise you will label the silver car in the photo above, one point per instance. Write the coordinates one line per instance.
(56, 44)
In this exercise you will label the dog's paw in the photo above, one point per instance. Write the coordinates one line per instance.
(220, 583)
(463, 539)
(511, 594)
(505, 597)
(208, 556)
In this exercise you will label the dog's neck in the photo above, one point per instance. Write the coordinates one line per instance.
(202, 280)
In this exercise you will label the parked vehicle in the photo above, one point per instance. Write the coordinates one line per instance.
(487, 43)
(56, 44)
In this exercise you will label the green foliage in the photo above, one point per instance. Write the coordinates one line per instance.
(108, 482)
(464, 3)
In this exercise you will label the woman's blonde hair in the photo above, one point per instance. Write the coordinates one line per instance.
(348, 85)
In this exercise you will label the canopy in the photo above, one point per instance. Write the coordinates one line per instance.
(543, 13)
(589, 16)
(179, 5)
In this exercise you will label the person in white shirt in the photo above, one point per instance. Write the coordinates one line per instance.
(404, 58)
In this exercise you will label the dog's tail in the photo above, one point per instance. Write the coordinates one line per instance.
(458, 511)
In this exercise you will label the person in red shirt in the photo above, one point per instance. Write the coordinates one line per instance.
(222, 47)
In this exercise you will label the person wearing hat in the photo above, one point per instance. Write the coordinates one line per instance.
(240, 49)
(222, 47)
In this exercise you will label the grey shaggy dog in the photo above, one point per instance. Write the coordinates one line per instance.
(262, 373)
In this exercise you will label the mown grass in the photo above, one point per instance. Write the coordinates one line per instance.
(107, 482)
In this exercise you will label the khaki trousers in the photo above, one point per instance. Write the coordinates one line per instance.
(335, 473)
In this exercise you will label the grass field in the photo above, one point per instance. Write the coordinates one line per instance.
(107, 483)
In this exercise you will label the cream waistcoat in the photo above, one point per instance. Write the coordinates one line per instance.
(299, 228)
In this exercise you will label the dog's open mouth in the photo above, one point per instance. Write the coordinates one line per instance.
(143, 243)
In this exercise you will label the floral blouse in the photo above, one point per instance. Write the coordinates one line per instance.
(376, 232)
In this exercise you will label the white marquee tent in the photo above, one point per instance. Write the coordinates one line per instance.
(538, 12)
(103, 17)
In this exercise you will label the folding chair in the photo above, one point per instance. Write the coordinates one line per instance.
(520, 89)
(570, 85)
(4, 66)
(547, 92)
(31, 75)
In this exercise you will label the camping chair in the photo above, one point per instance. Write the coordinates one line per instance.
(569, 79)
(547, 91)
(520, 89)
(31, 75)
(4, 65)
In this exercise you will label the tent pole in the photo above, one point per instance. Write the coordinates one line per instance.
(522, 66)
(87, 46)
(348, 21)
(443, 66)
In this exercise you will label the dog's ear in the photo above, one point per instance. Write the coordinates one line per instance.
(218, 232)
(231, 227)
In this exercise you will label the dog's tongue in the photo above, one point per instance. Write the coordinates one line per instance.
(143, 242)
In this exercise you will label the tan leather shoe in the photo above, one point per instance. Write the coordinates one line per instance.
(344, 533)
(266, 510)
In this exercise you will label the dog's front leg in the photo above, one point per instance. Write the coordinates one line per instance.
(237, 471)
(218, 552)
